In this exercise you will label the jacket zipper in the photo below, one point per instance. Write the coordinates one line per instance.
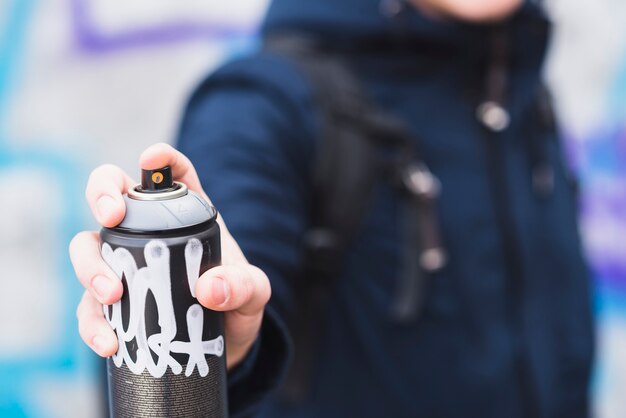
(496, 119)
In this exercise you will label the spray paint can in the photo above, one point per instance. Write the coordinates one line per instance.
(171, 360)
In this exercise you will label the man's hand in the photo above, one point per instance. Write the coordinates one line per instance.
(236, 287)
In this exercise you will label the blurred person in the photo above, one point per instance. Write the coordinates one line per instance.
(500, 326)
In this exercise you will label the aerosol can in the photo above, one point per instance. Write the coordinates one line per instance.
(171, 360)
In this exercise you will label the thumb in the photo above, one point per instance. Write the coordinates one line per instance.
(240, 287)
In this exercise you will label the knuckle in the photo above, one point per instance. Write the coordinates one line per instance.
(263, 283)
(85, 329)
(74, 242)
(266, 294)
(80, 309)
(250, 284)
(97, 173)
(265, 287)
(79, 239)
(249, 287)
(104, 171)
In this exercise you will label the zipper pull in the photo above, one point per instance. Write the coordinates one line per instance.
(421, 182)
(493, 116)
(426, 188)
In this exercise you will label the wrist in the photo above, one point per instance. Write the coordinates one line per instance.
(237, 354)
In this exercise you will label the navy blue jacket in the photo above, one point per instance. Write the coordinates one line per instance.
(500, 335)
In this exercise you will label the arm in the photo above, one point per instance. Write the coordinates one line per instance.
(244, 175)
(251, 143)
(245, 132)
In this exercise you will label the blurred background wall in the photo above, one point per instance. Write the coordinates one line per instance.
(83, 82)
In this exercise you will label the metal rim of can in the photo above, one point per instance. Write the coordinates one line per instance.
(133, 193)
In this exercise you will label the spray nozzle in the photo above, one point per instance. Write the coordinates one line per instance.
(157, 185)
(159, 180)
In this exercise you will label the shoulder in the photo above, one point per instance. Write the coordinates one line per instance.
(261, 100)
(259, 75)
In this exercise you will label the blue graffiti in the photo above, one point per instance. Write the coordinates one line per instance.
(69, 357)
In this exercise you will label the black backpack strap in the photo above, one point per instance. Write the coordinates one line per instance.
(344, 173)
(359, 145)
(345, 168)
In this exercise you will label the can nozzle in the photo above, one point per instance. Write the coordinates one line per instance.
(159, 180)
(157, 185)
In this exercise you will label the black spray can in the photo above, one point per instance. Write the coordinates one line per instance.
(171, 360)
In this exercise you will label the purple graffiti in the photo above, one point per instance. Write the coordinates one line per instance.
(602, 168)
(92, 40)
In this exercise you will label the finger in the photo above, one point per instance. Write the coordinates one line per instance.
(161, 155)
(104, 191)
(92, 271)
(244, 288)
(94, 328)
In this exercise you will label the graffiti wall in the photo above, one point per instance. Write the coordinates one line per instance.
(587, 72)
(83, 82)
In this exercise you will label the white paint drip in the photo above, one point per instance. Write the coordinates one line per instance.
(193, 256)
(155, 277)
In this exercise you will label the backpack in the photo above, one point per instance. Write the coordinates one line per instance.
(359, 145)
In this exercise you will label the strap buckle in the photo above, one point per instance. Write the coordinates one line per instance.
(421, 182)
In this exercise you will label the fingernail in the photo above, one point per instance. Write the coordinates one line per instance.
(102, 286)
(219, 291)
(98, 343)
(106, 206)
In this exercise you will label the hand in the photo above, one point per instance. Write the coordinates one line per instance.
(236, 287)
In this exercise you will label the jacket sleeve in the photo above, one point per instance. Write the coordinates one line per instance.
(248, 130)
